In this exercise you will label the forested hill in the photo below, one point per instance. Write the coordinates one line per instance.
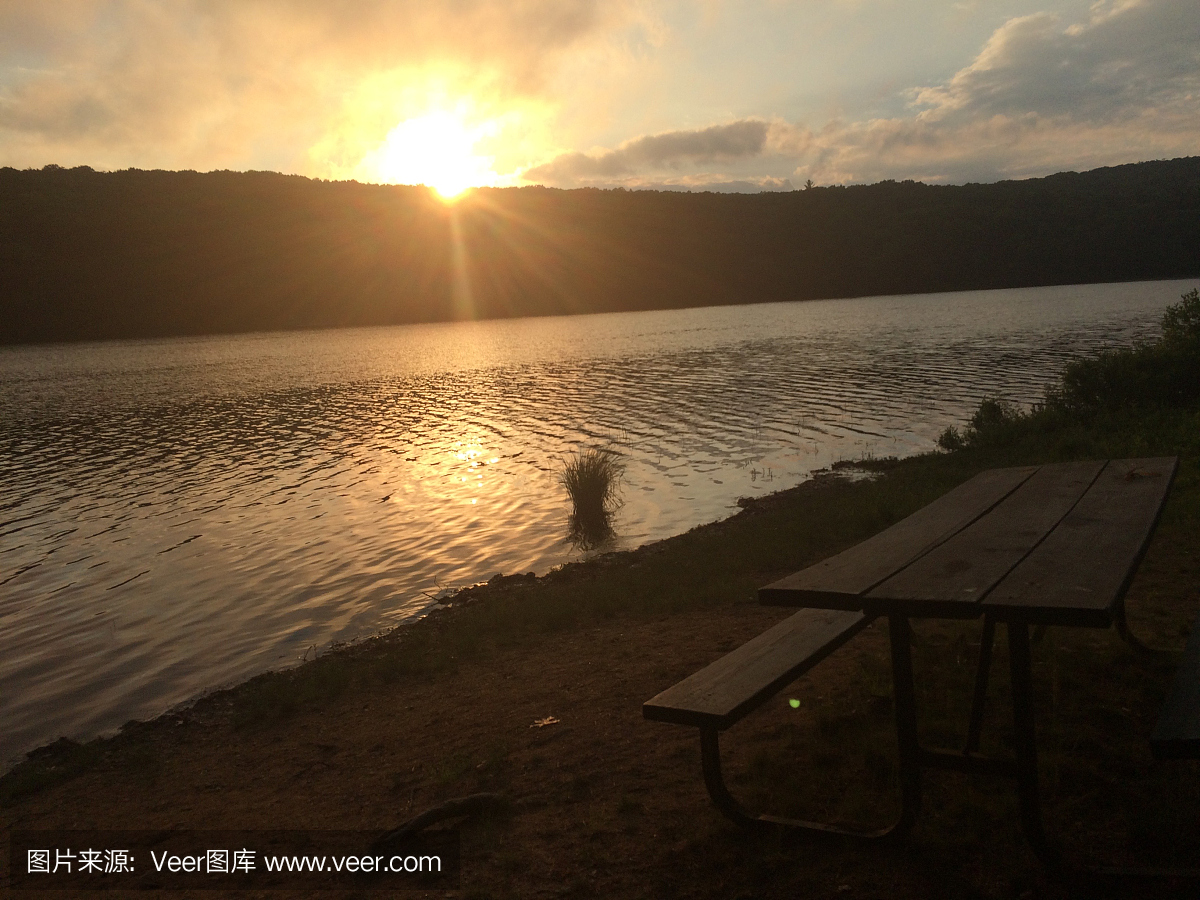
(88, 255)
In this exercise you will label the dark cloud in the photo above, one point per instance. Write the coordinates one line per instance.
(717, 143)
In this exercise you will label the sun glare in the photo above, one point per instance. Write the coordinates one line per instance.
(437, 150)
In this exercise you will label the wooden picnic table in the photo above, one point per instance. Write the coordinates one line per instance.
(1032, 546)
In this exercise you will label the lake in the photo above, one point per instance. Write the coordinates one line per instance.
(178, 515)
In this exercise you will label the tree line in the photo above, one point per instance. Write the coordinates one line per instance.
(87, 255)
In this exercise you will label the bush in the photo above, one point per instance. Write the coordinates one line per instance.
(1159, 376)
(1164, 374)
(993, 417)
(1181, 322)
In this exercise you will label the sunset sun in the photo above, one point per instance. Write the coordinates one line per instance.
(437, 150)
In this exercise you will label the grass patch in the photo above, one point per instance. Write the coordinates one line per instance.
(593, 480)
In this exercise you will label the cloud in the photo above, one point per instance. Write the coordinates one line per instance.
(1040, 97)
(1128, 57)
(744, 187)
(718, 143)
(988, 150)
(682, 159)
(206, 83)
(312, 87)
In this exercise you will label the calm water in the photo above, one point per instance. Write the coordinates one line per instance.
(177, 515)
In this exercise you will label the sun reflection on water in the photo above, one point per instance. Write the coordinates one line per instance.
(476, 457)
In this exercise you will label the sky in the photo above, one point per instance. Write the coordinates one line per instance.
(685, 94)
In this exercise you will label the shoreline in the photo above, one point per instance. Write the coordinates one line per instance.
(442, 612)
(451, 598)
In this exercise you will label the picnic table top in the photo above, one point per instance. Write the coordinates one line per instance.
(1054, 544)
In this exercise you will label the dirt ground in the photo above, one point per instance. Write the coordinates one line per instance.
(602, 803)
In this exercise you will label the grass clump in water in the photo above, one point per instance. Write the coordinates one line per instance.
(593, 480)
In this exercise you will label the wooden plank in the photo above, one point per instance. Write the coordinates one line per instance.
(1079, 573)
(1177, 733)
(726, 690)
(952, 579)
(837, 582)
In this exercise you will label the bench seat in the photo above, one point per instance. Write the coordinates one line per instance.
(728, 689)
(1177, 733)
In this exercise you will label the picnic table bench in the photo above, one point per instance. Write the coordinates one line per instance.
(1031, 546)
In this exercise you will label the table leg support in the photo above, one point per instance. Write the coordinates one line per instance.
(1021, 668)
(986, 641)
(900, 635)
(1128, 636)
(714, 781)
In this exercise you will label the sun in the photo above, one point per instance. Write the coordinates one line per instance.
(437, 150)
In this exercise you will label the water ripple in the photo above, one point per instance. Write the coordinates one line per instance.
(180, 514)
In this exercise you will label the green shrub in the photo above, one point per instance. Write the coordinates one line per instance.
(1165, 373)
(1159, 376)
(1181, 322)
(989, 423)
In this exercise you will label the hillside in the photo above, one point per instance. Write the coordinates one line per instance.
(89, 255)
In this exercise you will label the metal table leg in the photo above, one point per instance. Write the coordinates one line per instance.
(1128, 636)
(986, 641)
(910, 759)
(913, 757)
(900, 634)
(1021, 668)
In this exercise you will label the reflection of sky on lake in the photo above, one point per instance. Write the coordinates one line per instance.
(180, 514)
